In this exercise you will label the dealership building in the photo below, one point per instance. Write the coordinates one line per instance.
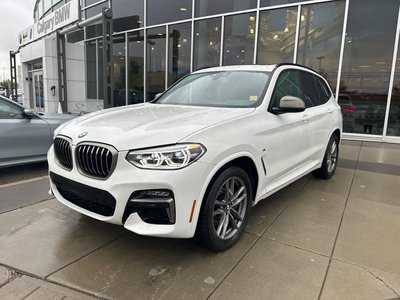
(354, 44)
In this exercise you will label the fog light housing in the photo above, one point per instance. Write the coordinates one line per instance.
(155, 206)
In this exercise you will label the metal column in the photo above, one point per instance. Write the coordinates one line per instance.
(62, 72)
(108, 69)
(13, 72)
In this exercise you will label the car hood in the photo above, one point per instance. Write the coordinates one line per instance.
(146, 125)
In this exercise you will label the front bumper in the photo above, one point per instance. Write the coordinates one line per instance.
(108, 200)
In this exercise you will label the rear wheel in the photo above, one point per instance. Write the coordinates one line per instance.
(330, 160)
(226, 210)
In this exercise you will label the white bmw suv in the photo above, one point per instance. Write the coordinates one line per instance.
(195, 161)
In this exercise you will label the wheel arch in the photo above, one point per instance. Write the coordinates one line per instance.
(244, 161)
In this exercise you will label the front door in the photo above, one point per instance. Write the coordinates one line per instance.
(38, 91)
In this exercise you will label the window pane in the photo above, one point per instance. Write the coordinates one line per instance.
(320, 38)
(136, 68)
(91, 70)
(288, 84)
(366, 63)
(9, 111)
(47, 5)
(207, 43)
(239, 39)
(311, 91)
(278, 2)
(58, 5)
(89, 2)
(119, 70)
(212, 7)
(164, 11)
(127, 14)
(277, 34)
(155, 62)
(179, 51)
(75, 36)
(393, 128)
(95, 29)
(40, 8)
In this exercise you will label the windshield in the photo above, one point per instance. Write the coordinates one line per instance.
(221, 89)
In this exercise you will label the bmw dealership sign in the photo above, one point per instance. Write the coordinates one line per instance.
(63, 16)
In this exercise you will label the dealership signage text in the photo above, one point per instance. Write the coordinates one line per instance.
(63, 16)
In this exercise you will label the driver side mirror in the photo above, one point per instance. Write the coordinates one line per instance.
(289, 104)
(28, 113)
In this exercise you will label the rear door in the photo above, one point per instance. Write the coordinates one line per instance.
(21, 138)
(319, 112)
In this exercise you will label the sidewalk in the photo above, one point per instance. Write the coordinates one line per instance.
(315, 239)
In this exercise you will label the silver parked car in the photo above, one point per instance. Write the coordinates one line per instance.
(25, 136)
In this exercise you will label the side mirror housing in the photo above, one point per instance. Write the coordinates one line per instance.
(28, 113)
(289, 104)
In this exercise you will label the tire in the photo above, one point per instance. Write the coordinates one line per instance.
(221, 221)
(330, 160)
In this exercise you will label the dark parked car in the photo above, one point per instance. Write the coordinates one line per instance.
(25, 136)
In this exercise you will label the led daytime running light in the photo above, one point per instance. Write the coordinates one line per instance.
(166, 158)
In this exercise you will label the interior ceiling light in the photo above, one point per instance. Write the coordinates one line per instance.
(183, 9)
(303, 18)
(179, 45)
(286, 29)
(251, 30)
(364, 66)
(276, 37)
(252, 18)
(381, 62)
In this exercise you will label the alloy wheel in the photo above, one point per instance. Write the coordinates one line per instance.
(230, 208)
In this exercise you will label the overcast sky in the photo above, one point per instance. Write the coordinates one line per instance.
(15, 16)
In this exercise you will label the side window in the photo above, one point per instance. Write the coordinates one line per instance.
(288, 84)
(325, 91)
(9, 111)
(312, 93)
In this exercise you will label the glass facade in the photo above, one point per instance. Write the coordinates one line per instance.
(239, 32)
(119, 70)
(364, 83)
(161, 43)
(136, 67)
(179, 51)
(127, 14)
(156, 61)
(207, 43)
(277, 34)
(393, 127)
(321, 28)
(164, 11)
(212, 7)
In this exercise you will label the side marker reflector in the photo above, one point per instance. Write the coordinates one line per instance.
(191, 213)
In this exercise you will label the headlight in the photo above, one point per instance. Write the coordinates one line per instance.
(166, 158)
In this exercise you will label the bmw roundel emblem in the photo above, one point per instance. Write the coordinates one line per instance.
(83, 134)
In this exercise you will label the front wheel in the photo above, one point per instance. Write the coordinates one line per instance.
(330, 160)
(226, 210)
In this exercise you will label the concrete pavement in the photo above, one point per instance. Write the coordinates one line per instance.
(315, 239)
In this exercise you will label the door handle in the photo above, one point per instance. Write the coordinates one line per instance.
(306, 118)
(329, 110)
